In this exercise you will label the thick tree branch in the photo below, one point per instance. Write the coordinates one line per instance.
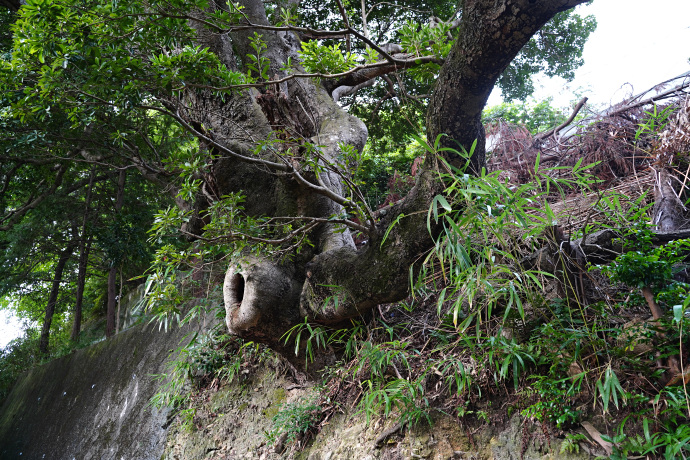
(366, 73)
(491, 35)
(343, 91)
(379, 272)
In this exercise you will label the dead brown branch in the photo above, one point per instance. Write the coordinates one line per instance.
(570, 119)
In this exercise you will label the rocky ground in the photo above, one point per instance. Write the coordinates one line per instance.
(234, 421)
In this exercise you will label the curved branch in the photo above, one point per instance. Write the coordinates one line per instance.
(376, 69)
(491, 35)
(17, 214)
(177, 117)
(570, 119)
(365, 73)
(378, 272)
(8, 178)
(343, 91)
(320, 189)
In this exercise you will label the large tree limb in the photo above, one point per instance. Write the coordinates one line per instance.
(379, 272)
(491, 35)
(366, 73)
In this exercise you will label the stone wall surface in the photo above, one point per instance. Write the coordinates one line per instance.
(93, 403)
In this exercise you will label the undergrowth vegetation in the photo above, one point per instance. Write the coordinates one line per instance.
(507, 316)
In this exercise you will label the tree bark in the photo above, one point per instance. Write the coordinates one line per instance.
(669, 214)
(491, 35)
(112, 273)
(263, 297)
(53, 298)
(84, 249)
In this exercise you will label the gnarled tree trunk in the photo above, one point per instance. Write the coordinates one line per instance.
(263, 297)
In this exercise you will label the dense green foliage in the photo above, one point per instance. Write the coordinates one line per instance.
(562, 41)
(72, 96)
(15, 358)
(394, 114)
(535, 116)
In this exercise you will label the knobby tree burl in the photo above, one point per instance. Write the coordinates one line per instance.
(262, 140)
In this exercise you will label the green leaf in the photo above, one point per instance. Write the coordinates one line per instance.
(678, 313)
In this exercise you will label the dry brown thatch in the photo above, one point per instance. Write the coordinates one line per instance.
(627, 157)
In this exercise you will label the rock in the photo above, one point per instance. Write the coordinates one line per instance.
(93, 403)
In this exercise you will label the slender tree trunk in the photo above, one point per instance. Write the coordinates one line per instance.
(52, 299)
(84, 249)
(112, 294)
(112, 274)
(119, 304)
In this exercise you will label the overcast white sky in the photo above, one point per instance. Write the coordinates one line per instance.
(637, 44)
(9, 328)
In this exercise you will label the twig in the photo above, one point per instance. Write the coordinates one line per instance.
(555, 130)
(347, 24)
(210, 141)
(651, 99)
(397, 6)
(685, 178)
(286, 167)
